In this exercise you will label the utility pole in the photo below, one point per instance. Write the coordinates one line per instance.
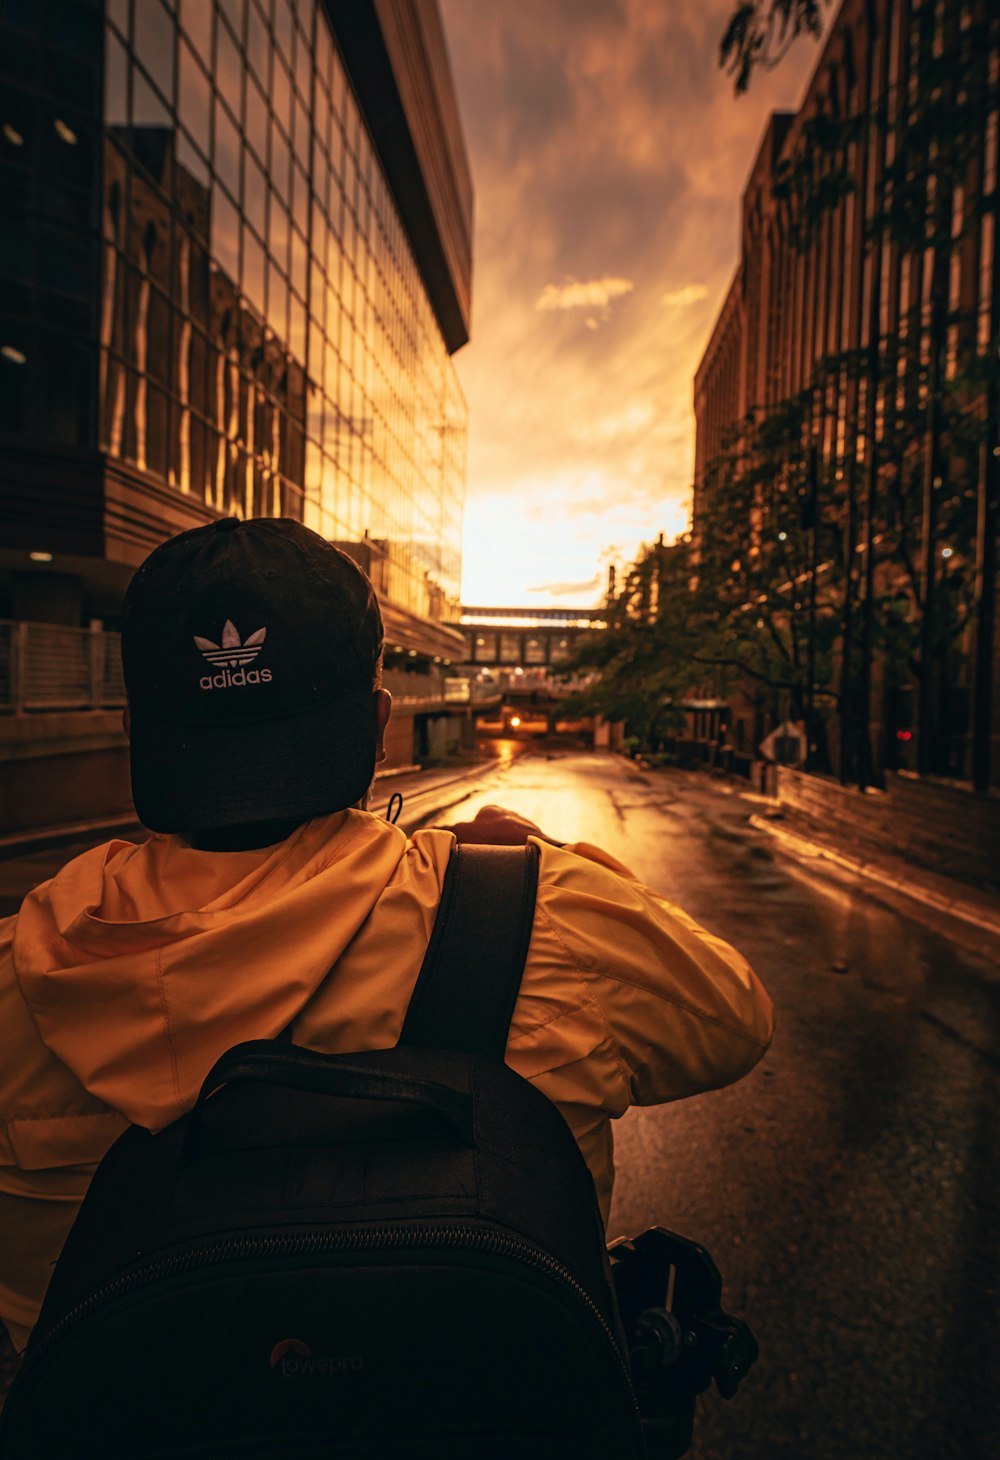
(868, 772)
(986, 564)
(810, 520)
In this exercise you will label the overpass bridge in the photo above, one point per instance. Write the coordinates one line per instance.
(526, 638)
(519, 652)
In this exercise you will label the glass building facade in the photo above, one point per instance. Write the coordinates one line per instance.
(208, 284)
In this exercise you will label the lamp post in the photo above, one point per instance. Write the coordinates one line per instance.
(931, 494)
(810, 520)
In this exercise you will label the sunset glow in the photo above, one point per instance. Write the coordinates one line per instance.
(608, 154)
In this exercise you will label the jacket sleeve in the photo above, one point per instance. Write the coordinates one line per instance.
(684, 1009)
(52, 1134)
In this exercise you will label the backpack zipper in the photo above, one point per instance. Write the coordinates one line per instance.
(338, 1241)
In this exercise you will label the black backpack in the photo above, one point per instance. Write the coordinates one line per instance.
(395, 1253)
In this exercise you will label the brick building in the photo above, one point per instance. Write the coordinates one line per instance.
(876, 325)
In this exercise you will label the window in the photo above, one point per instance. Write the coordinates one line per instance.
(196, 22)
(194, 99)
(253, 271)
(228, 71)
(227, 151)
(256, 121)
(154, 44)
(258, 45)
(255, 193)
(225, 235)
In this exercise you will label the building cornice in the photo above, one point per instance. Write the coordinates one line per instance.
(395, 54)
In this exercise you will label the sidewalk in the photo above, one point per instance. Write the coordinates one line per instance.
(930, 897)
(927, 889)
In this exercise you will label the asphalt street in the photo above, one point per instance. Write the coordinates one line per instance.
(846, 1188)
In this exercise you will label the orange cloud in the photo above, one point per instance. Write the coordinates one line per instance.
(690, 294)
(607, 151)
(593, 295)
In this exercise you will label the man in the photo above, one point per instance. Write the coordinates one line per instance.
(267, 897)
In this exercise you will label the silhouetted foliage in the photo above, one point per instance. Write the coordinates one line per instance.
(760, 32)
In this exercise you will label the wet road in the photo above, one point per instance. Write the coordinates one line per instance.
(848, 1187)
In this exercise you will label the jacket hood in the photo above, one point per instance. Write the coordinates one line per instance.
(154, 958)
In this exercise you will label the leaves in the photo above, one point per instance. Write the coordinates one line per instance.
(257, 637)
(230, 638)
(204, 644)
(760, 32)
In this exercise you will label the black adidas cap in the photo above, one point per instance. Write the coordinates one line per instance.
(249, 651)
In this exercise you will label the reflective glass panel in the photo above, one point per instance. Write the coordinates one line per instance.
(225, 235)
(233, 11)
(281, 95)
(228, 70)
(258, 45)
(300, 199)
(227, 150)
(301, 134)
(303, 66)
(283, 27)
(118, 11)
(255, 193)
(278, 235)
(147, 108)
(256, 120)
(297, 328)
(323, 50)
(196, 22)
(281, 159)
(253, 271)
(115, 82)
(321, 119)
(154, 44)
(191, 160)
(299, 262)
(194, 98)
(277, 302)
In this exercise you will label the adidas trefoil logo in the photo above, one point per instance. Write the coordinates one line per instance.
(231, 658)
(231, 651)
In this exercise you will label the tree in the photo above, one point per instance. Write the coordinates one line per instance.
(760, 33)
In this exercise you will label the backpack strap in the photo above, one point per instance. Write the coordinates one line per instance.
(468, 983)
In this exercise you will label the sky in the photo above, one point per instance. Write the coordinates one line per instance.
(608, 155)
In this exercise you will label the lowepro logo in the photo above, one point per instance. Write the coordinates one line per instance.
(232, 657)
(295, 1359)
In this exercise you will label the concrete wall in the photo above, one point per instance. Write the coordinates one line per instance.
(943, 827)
(61, 768)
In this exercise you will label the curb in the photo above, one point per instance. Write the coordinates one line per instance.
(921, 894)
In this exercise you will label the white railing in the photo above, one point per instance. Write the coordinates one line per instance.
(54, 667)
(413, 689)
(461, 691)
(435, 689)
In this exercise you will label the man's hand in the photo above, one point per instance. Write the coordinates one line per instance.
(496, 827)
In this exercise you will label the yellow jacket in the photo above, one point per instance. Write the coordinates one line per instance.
(124, 977)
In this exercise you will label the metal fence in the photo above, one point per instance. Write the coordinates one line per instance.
(53, 667)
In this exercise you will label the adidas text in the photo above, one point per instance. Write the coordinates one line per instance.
(228, 678)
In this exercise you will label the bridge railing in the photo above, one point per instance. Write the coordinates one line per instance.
(435, 689)
(58, 667)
